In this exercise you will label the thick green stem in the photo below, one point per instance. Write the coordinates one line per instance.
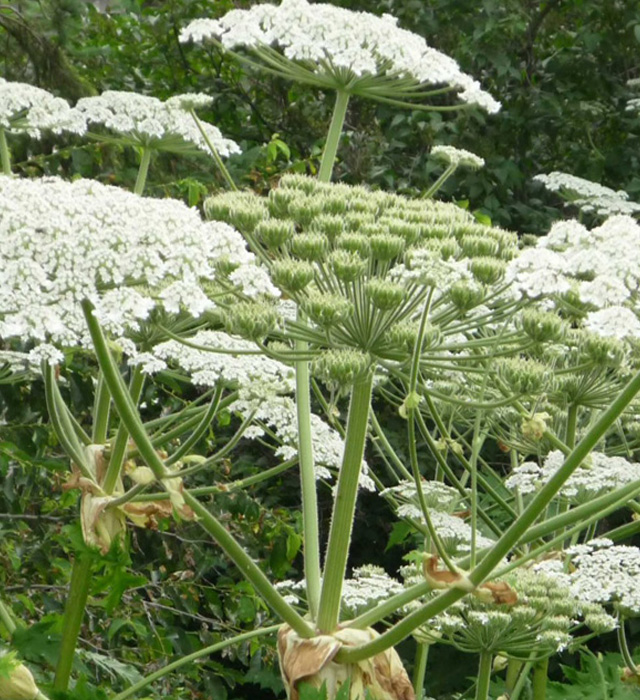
(206, 651)
(522, 680)
(5, 156)
(510, 538)
(484, 676)
(513, 671)
(540, 671)
(572, 422)
(101, 405)
(345, 504)
(439, 182)
(420, 669)
(73, 616)
(333, 136)
(143, 170)
(7, 618)
(131, 420)
(119, 451)
(624, 646)
(311, 545)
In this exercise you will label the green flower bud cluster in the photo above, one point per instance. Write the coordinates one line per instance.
(542, 326)
(542, 619)
(361, 264)
(522, 376)
(251, 320)
(341, 368)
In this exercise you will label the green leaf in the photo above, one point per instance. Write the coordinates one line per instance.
(399, 534)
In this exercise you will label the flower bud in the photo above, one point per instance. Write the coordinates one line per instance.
(301, 183)
(292, 276)
(354, 243)
(386, 247)
(603, 351)
(279, 201)
(355, 219)
(487, 270)
(522, 376)
(274, 233)
(303, 210)
(328, 224)
(479, 246)
(310, 246)
(405, 335)
(19, 684)
(347, 266)
(341, 367)
(542, 326)
(385, 295)
(410, 233)
(466, 295)
(251, 320)
(327, 309)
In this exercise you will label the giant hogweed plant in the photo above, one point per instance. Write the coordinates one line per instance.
(321, 284)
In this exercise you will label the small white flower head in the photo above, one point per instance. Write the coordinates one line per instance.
(614, 322)
(147, 121)
(538, 272)
(331, 47)
(597, 475)
(608, 574)
(588, 196)
(457, 157)
(27, 108)
(62, 242)
(278, 414)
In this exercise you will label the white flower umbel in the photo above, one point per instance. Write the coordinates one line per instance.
(61, 243)
(457, 157)
(223, 358)
(608, 574)
(598, 474)
(588, 196)
(278, 416)
(341, 49)
(598, 268)
(27, 108)
(148, 122)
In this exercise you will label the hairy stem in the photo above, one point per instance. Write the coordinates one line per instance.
(484, 676)
(143, 170)
(73, 616)
(420, 669)
(333, 136)
(344, 504)
(540, 671)
(5, 156)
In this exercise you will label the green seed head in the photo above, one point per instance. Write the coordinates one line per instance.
(385, 295)
(291, 276)
(386, 247)
(347, 266)
(250, 320)
(274, 233)
(542, 326)
(326, 309)
(310, 246)
(487, 270)
(329, 225)
(466, 295)
(522, 376)
(341, 367)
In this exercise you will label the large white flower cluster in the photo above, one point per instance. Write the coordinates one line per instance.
(63, 242)
(598, 474)
(27, 108)
(151, 122)
(607, 573)
(338, 40)
(589, 196)
(599, 268)
(220, 357)
(278, 416)
(441, 501)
